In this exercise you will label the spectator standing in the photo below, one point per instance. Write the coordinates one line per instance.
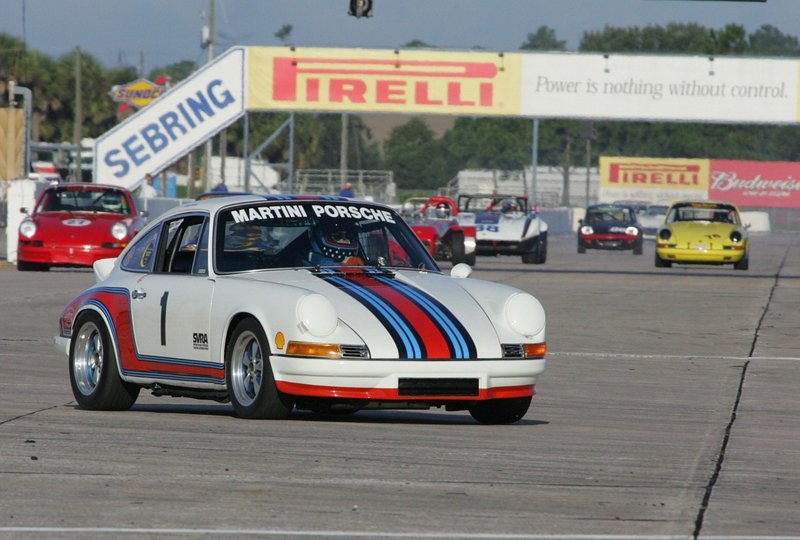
(147, 190)
(347, 190)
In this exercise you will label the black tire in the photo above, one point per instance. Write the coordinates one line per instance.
(248, 375)
(581, 247)
(457, 247)
(93, 372)
(638, 247)
(23, 266)
(541, 250)
(743, 264)
(661, 263)
(500, 411)
(470, 259)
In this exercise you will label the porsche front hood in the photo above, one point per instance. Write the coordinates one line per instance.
(405, 314)
(693, 231)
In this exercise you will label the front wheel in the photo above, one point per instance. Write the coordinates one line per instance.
(93, 372)
(500, 411)
(23, 266)
(661, 263)
(743, 264)
(249, 378)
(457, 254)
(637, 247)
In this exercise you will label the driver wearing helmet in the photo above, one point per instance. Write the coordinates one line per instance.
(334, 243)
(509, 206)
(443, 211)
(112, 202)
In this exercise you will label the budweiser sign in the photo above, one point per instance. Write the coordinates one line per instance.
(756, 183)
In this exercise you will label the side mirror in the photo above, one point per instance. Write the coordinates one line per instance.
(144, 213)
(746, 225)
(580, 222)
(461, 270)
(24, 210)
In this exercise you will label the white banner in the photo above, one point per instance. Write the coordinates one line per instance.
(665, 88)
(165, 130)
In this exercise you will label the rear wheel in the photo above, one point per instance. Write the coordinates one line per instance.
(93, 372)
(251, 384)
(500, 411)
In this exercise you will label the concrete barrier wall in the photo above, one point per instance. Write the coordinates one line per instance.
(759, 221)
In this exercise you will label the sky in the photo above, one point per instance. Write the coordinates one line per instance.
(162, 32)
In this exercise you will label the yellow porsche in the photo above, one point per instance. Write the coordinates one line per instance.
(703, 232)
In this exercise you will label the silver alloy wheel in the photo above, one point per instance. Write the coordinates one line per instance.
(87, 366)
(247, 365)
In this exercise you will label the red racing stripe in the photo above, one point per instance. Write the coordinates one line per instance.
(435, 342)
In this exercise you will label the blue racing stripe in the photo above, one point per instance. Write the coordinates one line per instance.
(407, 336)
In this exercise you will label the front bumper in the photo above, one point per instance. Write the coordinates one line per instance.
(608, 241)
(65, 255)
(725, 255)
(61, 344)
(379, 380)
(506, 247)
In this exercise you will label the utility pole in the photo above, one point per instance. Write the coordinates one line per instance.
(78, 117)
(207, 169)
(343, 156)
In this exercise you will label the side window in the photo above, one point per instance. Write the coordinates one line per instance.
(180, 245)
(201, 259)
(141, 256)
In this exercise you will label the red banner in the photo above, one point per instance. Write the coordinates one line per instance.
(755, 184)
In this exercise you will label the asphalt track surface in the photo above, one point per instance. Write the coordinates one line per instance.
(668, 409)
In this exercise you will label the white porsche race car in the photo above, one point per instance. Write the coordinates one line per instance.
(277, 303)
(504, 225)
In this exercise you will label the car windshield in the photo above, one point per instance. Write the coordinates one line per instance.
(655, 211)
(704, 213)
(316, 234)
(609, 214)
(84, 200)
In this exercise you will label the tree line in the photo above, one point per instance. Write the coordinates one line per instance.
(420, 159)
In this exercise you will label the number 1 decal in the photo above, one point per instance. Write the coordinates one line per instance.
(164, 298)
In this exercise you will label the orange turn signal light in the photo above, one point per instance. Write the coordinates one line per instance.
(535, 350)
(321, 350)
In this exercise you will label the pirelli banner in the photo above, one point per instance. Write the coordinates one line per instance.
(545, 85)
(468, 83)
(749, 184)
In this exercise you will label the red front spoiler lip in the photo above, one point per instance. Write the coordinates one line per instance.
(392, 394)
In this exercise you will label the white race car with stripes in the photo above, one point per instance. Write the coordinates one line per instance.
(282, 303)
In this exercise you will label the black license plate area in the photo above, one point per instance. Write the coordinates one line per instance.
(438, 387)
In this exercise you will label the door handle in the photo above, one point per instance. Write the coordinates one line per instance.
(138, 293)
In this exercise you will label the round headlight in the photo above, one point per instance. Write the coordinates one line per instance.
(736, 237)
(317, 315)
(632, 231)
(27, 228)
(119, 230)
(586, 229)
(665, 234)
(524, 314)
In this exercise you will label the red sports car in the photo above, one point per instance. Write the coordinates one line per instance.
(75, 225)
(434, 221)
